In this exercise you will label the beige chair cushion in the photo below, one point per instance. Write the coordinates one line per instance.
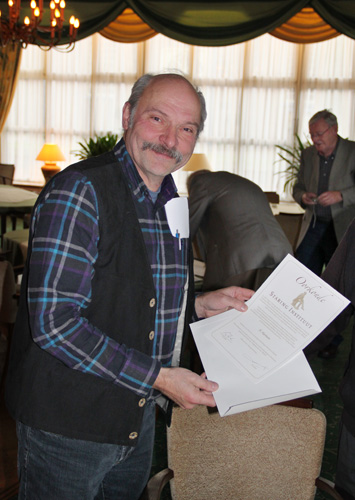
(272, 453)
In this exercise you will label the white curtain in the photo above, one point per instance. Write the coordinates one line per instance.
(259, 94)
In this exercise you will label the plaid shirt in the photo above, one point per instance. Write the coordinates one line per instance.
(65, 228)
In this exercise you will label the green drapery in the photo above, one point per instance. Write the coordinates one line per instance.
(338, 13)
(207, 22)
(215, 23)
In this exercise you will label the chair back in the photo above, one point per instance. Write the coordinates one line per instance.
(272, 196)
(7, 172)
(8, 311)
(273, 452)
(8, 300)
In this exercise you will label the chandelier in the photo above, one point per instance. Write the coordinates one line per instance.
(31, 31)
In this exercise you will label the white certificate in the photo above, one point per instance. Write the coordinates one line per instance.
(259, 352)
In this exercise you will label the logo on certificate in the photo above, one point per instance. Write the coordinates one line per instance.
(298, 302)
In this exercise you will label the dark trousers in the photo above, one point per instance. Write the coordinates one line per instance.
(345, 474)
(318, 246)
(316, 250)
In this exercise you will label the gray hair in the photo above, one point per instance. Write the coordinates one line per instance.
(325, 115)
(142, 83)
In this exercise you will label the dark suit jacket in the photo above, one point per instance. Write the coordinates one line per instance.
(339, 273)
(234, 227)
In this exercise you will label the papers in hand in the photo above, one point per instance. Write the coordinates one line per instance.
(256, 356)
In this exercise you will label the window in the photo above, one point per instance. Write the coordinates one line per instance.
(258, 94)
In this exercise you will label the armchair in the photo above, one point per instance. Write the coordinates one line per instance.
(273, 452)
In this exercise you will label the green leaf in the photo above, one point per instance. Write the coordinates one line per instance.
(291, 155)
(96, 146)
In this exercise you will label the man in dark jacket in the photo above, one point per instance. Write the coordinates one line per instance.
(236, 232)
(340, 274)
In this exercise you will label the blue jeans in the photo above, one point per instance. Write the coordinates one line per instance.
(53, 467)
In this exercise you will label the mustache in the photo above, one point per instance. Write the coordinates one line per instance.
(159, 148)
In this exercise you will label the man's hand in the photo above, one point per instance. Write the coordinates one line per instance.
(185, 388)
(309, 198)
(329, 198)
(212, 303)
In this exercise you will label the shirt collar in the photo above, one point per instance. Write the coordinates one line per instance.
(139, 189)
(332, 154)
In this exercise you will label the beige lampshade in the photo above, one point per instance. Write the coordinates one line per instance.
(198, 161)
(50, 154)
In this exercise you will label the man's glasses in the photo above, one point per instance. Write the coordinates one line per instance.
(319, 134)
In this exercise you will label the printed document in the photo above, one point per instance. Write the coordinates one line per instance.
(256, 356)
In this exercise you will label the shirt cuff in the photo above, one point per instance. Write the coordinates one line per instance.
(139, 372)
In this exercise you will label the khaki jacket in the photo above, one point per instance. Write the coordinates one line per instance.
(342, 178)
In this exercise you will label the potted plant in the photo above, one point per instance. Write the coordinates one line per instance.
(291, 155)
(95, 146)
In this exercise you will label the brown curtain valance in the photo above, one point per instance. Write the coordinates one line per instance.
(304, 27)
(128, 28)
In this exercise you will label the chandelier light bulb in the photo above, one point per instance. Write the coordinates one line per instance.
(56, 33)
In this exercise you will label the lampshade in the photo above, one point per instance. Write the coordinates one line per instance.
(198, 161)
(50, 153)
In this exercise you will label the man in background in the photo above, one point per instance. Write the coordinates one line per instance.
(106, 300)
(325, 188)
(237, 236)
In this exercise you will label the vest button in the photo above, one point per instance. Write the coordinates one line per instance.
(151, 335)
(141, 402)
(133, 435)
(152, 303)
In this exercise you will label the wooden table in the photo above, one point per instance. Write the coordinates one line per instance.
(14, 200)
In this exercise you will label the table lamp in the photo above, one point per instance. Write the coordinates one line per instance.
(50, 154)
(198, 161)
